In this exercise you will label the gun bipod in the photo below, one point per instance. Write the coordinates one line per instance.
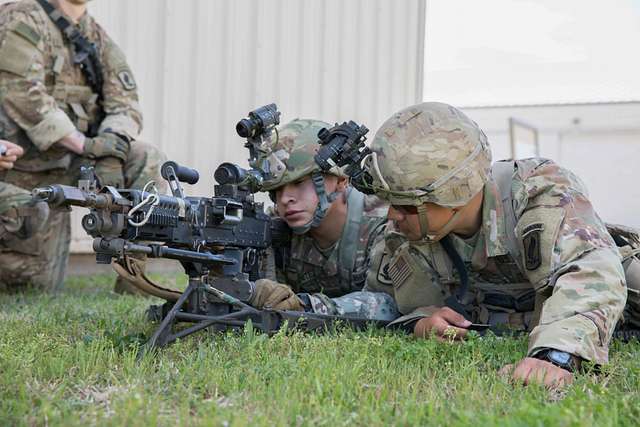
(194, 306)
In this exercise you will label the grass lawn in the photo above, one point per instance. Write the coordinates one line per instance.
(70, 359)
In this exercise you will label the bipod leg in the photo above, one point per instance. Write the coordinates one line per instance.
(163, 335)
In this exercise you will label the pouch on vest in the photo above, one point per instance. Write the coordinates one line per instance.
(19, 50)
(510, 304)
(415, 283)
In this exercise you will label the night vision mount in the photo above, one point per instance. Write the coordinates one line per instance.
(256, 128)
(344, 145)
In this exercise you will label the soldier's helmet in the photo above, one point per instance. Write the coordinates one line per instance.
(293, 148)
(430, 152)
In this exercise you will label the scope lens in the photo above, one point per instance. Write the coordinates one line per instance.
(245, 128)
(229, 173)
(222, 176)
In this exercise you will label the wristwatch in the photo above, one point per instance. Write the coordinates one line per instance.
(561, 359)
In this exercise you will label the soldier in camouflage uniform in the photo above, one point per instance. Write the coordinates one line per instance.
(515, 244)
(334, 230)
(48, 107)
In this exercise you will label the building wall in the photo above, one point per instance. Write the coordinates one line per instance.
(599, 142)
(201, 65)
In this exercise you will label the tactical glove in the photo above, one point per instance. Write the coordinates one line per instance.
(109, 171)
(270, 294)
(106, 145)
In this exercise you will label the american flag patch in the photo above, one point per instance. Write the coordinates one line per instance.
(400, 271)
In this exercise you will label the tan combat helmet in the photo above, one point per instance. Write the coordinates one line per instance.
(292, 152)
(292, 159)
(430, 152)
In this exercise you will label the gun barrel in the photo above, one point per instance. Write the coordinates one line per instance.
(115, 247)
(65, 195)
(3, 149)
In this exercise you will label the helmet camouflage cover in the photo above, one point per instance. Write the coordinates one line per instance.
(292, 151)
(429, 152)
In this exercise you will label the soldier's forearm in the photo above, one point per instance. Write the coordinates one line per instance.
(54, 126)
(73, 142)
(587, 301)
(125, 123)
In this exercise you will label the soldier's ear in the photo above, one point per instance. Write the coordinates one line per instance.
(342, 183)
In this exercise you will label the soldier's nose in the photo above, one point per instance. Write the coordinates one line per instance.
(394, 214)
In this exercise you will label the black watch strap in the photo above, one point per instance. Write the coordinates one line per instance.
(560, 358)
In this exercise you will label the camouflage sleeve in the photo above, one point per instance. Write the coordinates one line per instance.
(24, 99)
(120, 91)
(568, 252)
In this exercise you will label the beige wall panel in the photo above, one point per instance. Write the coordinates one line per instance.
(599, 142)
(201, 65)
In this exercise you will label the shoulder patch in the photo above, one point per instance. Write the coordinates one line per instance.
(537, 233)
(532, 247)
(383, 271)
(127, 80)
(28, 33)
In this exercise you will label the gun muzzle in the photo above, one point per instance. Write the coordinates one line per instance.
(43, 193)
(3, 149)
(65, 195)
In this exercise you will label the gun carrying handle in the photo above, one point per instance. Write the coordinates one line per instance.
(183, 173)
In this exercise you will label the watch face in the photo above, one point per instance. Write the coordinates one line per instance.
(559, 357)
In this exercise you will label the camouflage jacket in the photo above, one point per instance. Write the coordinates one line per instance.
(555, 270)
(44, 96)
(342, 268)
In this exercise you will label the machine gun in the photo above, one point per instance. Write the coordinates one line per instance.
(221, 242)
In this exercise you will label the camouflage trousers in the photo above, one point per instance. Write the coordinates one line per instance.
(40, 260)
(363, 304)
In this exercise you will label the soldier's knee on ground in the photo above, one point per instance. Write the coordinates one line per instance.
(38, 261)
(143, 165)
(21, 217)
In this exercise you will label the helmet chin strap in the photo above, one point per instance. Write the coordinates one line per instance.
(427, 237)
(324, 202)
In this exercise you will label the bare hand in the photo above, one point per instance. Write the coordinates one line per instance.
(13, 152)
(531, 370)
(445, 323)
